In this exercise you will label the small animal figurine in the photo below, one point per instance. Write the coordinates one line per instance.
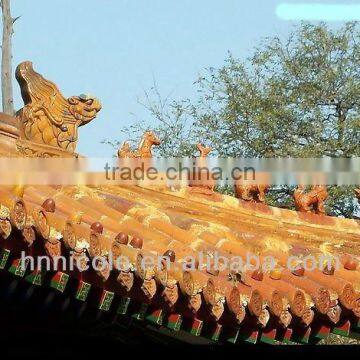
(148, 140)
(125, 151)
(251, 192)
(311, 201)
(357, 193)
(201, 181)
(204, 151)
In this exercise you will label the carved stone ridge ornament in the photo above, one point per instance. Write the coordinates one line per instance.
(48, 123)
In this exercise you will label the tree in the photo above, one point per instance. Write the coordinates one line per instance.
(171, 124)
(297, 97)
(6, 60)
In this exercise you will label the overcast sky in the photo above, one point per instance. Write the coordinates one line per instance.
(115, 48)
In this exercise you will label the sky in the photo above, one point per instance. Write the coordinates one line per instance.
(114, 49)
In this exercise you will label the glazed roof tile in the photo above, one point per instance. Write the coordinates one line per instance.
(89, 222)
(185, 229)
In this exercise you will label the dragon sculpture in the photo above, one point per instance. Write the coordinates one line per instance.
(48, 123)
(311, 201)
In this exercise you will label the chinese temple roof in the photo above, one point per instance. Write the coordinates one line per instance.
(85, 222)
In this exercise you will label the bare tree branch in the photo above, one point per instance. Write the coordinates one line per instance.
(15, 19)
(6, 60)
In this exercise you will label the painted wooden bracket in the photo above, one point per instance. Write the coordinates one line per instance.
(155, 316)
(106, 299)
(59, 281)
(4, 257)
(141, 312)
(355, 331)
(174, 322)
(301, 335)
(342, 329)
(285, 336)
(82, 290)
(268, 336)
(193, 326)
(18, 267)
(196, 327)
(320, 331)
(215, 332)
(231, 335)
(124, 305)
(36, 277)
(249, 335)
